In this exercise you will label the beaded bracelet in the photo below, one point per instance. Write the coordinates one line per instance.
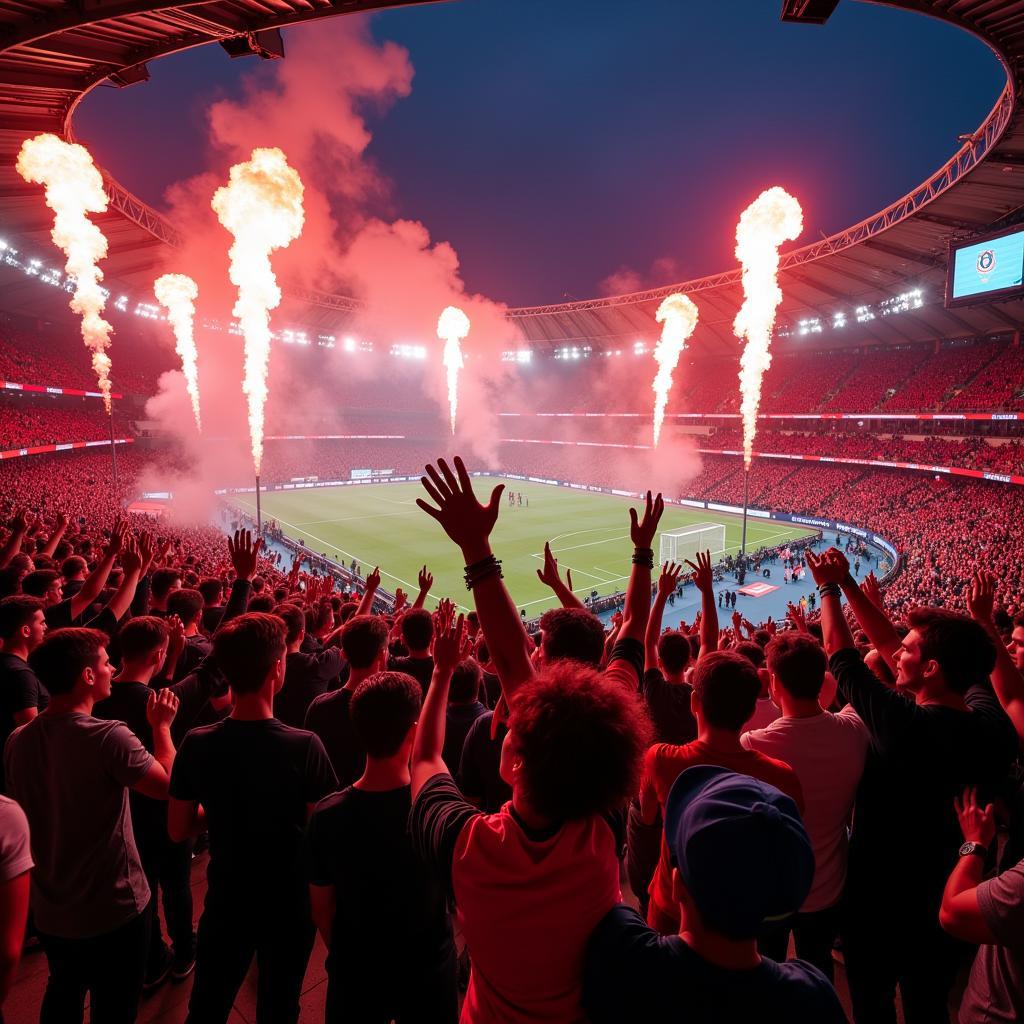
(829, 590)
(643, 556)
(481, 570)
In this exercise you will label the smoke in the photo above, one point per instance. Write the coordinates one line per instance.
(678, 316)
(74, 189)
(771, 219)
(452, 327)
(178, 294)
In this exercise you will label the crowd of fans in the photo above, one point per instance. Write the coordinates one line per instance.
(454, 804)
(24, 423)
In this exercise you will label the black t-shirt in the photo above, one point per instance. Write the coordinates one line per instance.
(196, 649)
(921, 757)
(194, 707)
(306, 677)
(479, 772)
(255, 781)
(328, 716)
(211, 618)
(459, 719)
(669, 705)
(421, 669)
(391, 915)
(127, 703)
(633, 973)
(20, 690)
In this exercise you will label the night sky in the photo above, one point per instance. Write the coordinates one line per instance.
(553, 142)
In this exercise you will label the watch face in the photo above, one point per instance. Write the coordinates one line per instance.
(971, 848)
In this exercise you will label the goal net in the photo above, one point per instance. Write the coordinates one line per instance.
(679, 545)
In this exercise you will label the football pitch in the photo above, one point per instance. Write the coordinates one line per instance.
(379, 524)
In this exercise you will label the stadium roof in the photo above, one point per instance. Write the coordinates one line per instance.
(52, 53)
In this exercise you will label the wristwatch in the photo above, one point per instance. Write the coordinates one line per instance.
(976, 848)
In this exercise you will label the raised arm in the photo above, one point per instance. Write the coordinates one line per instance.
(56, 535)
(425, 581)
(18, 527)
(871, 616)
(366, 601)
(469, 525)
(550, 577)
(667, 583)
(1007, 681)
(704, 578)
(133, 558)
(97, 579)
(426, 752)
(960, 913)
(642, 532)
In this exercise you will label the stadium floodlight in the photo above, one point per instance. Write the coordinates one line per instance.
(684, 543)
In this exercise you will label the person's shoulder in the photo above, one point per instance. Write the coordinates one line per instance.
(325, 701)
(334, 805)
(806, 991)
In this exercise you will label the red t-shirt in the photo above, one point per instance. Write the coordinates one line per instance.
(527, 902)
(663, 764)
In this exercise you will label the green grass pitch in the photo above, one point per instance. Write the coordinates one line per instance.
(379, 524)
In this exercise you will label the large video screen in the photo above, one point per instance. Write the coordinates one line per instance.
(985, 269)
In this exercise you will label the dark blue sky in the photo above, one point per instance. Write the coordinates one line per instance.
(555, 141)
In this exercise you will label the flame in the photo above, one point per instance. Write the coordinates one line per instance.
(678, 315)
(178, 294)
(73, 189)
(452, 327)
(262, 207)
(772, 218)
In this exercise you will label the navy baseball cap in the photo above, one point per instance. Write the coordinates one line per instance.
(741, 849)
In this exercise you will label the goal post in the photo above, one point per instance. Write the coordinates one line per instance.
(684, 543)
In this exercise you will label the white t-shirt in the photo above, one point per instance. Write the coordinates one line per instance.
(765, 712)
(827, 752)
(15, 854)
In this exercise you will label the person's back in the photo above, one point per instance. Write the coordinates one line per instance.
(464, 708)
(22, 695)
(726, 688)
(391, 954)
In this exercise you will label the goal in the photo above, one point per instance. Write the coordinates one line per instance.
(679, 545)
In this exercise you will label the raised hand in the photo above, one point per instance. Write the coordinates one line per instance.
(425, 580)
(165, 546)
(770, 626)
(642, 531)
(162, 707)
(448, 643)
(826, 568)
(131, 559)
(21, 520)
(175, 638)
(463, 518)
(401, 599)
(669, 578)
(978, 824)
(549, 574)
(147, 549)
(244, 552)
(872, 591)
(981, 596)
(373, 579)
(118, 535)
(702, 574)
(797, 617)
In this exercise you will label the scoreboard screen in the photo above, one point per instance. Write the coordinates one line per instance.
(981, 270)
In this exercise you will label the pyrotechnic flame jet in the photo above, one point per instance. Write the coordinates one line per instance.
(772, 218)
(262, 207)
(678, 316)
(452, 327)
(178, 294)
(73, 189)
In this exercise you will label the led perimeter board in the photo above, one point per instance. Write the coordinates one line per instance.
(986, 269)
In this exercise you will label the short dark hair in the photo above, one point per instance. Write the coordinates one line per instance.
(799, 663)
(38, 582)
(362, 640)
(262, 603)
(762, 637)
(581, 738)
(466, 679)
(211, 588)
(246, 648)
(754, 653)
(17, 611)
(383, 710)
(10, 580)
(727, 687)
(674, 651)
(294, 619)
(73, 565)
(418, 629)
(141, 636)
(186, 603)
(573, 633)
(347, 610)
(163, 581)
(961, 647)
(64, 655)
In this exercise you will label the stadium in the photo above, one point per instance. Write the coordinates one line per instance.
(246, 481)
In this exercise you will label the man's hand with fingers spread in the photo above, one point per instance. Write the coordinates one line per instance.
(466, 521)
